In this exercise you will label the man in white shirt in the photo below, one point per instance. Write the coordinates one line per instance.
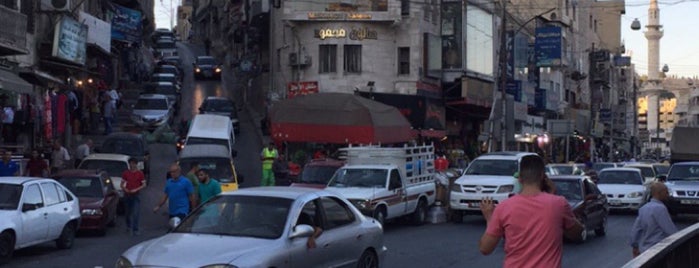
(82, 151)
(59, 157)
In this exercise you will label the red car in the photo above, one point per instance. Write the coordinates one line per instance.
(96, 194)
(318, 172)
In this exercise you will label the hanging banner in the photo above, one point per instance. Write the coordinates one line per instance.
(126, 24)
(548, 46)
(301, 88)
(69, 41)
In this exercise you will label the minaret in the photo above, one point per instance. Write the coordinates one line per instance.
(653, 34)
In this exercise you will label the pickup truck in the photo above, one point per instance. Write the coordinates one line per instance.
(388, 183)
(683, 184)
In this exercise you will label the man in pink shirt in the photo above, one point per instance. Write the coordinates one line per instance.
(533, 221)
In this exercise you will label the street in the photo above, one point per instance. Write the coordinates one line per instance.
(430, 245)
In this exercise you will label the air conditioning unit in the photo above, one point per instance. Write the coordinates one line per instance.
(55, 5)
(295, 60)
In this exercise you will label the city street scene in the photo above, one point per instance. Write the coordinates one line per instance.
(364, 133)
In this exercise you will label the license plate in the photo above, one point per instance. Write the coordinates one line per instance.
(689, 202)
(474, 204)
(615, 202)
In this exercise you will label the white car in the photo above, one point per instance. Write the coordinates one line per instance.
(266, 227)
(34, 211)
(152, 110)
(624, 188)
(114, 164)
(647, 171)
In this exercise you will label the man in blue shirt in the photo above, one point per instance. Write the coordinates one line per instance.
(653, 222)
(7, 166)
(180, 192)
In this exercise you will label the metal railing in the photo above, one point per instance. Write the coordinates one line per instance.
(676, 251)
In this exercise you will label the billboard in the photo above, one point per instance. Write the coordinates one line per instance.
(126, 24)
(548, 46)
(70, 40)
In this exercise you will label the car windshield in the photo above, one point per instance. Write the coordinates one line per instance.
(661, 169)
(151, 104)
(166, 69)
(197, 140)
(600, 166)
(570, 189)
(492, 167)
(237, 215)
(165, 45)
(218, 168)
(317, 174)
(683, 172)
(113, 167)
(206, 61)
(646, 172)
(219, 106)
(162, 78)
(619, 177)
(9, 196)
(83, 186)
(370, 178)
(127, 146)
(563, 170)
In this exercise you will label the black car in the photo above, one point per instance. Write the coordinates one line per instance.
(207, 67)
(131, 144)
(221, 106)
(588, 203)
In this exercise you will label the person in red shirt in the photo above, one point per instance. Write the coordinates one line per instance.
(132, 182)
(533, 221)
(36, 166)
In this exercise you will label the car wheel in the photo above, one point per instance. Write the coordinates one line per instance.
(380, 215)
(65, 241)
(420, 213)
(7, 247)
(602, 230)
(368, 260)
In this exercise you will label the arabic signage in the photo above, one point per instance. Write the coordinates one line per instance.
(338, 16)
(548, 46)
(301, 88)
(358, 34)
(126, 24)
(69, 41)
(99, 31)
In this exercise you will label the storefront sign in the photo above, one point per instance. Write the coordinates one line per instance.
(358, 34)
(548, 46)
(358, 16)
(126, 24)
(363, 33)
(338, 16)
(330, 33)
(69, 43)
(301, 88)
(99, 31)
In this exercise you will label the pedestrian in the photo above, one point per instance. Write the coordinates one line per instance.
(59, 157)
(192, 177)
(653, 222)
(36, 166)
(208, 188)
(267, 156)
(132, 182)
(533, 221)
(82, 151)
(7, 166)
(180, 193)
(590, 172)
(109, 114)
(281, 171)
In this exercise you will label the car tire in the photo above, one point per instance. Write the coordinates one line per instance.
(7, 247)
(602, 230)
(380, 215)
(65, 241)
(420, 213)
(368, 260)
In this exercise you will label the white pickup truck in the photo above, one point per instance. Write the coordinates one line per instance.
(387, 183)
(489, 175)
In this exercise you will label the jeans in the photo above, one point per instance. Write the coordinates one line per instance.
(132, 203)
(107, 124)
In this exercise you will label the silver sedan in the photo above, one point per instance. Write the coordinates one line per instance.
(267, 227)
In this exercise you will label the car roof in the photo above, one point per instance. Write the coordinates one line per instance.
(639, 165)
(110, 157)
(77, 173)
(326, 162)
(152, 96)
(218, 98)
(567, 177)
(205, 150)
(21, 180)
(693, 163)
(278, 191)
(210, 125)
(505, 155)
(620, 169)
(163, 74)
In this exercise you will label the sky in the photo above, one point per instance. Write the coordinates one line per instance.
(162, 12)
(679, 47)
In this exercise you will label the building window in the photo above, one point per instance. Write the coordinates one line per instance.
(405, 7)
(327, 59)
(353, 58)
(403, 60)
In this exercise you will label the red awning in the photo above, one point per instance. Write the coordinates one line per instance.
(338, 118)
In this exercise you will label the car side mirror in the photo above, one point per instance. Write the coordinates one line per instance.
(661, 178)
(301, 230)
(29, 207)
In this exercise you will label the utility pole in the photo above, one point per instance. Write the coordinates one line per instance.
(503, 76)
(634, 135)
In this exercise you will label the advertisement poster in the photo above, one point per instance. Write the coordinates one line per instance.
(548, 46)
(126, 24)
(301, 88)
(69, 43)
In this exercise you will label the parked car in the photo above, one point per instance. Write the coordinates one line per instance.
(165, 48)
(113, 164)
(96, 194)
(152, 110)
(221, 106)
(661, 169)
(588, 203)
(599, 166)
(166, 77)
(206, 67)
(35, 211)
(318, 172)
(647, 171)
(258, 227)
(131, 144)
(624, 188)
(169, 69)
(171, 60)
(168, 89)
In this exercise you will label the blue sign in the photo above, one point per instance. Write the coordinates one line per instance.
(514, 88)
(540, 99)
(510, 55)
(548, 46)
(623, 61)
(126, 24)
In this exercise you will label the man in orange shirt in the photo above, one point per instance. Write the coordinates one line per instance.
(132, 182)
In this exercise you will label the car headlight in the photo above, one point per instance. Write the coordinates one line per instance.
(91, 212)
(197, 70)
(672, 193)
(220, 266)
(360, 203)
(455, 187)
(218, 70)
(634, 195)
(505, 189)
(123, 263)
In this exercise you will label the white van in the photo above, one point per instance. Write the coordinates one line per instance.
(211, 129)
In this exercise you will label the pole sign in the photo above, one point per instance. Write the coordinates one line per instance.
(548, 46)
(510, 46)
(514, 88)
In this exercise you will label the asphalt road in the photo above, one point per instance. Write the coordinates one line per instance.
(430, 245)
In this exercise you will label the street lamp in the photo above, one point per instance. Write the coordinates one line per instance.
(635, 25)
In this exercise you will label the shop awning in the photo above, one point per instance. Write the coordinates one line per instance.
(38, 77)
(12, 82)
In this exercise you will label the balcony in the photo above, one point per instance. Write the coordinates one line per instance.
(13, 33)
